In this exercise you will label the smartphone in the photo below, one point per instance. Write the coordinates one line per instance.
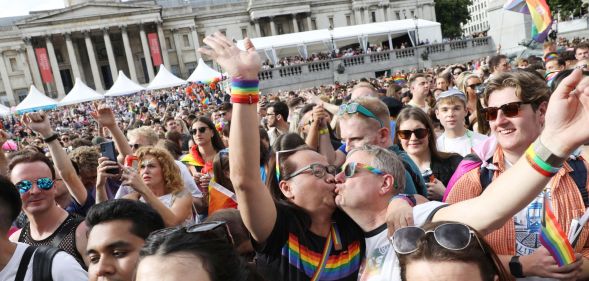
(107, 149)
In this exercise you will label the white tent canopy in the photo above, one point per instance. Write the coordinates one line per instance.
(164, 79)
(427, 29)
(34, 101)
(203, 73)
(80, 93)
(123, 86)
(4, 110)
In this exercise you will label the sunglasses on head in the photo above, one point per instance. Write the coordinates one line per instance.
(509, 110)
(200, 130)
(208, 231)
(24, 186)
(351, 168)
(419, 133)
(354, 107)
(451, 236)
(316, 169)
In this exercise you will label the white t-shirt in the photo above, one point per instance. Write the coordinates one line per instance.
(65, 267)
(461, 145)
(381, 262)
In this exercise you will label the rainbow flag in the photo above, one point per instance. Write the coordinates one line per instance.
(540, 13)
(553, 238)
(205, 101)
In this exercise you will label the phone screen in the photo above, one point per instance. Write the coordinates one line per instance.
(107, 149)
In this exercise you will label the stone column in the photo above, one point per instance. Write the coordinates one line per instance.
(163, 47)
(178, 47)
(6, 80)
(112, 63)
(26, 66)
(129, 54)
(33, 63)
(257, 25)
(195, 41)
(309, 22)
(357, 16)
(72, 56)
(385, 9)
(383, 14)
(367, 18)
(55, 68)
(93, 65)
(272, 27)
(295, 23)
(146, 53)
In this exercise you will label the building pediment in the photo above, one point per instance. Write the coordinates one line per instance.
(86, 12)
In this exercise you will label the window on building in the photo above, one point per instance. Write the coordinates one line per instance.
(314, 24)
(412, 14)
(168, 43)
(201, 38)
(397, 15)
(14, 65)
(186, 40)
(373, 16)
(331, 22)
(348, 20)
(243, 32)
(279, 28)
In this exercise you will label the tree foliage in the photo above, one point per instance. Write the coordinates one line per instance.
(567, 8)
(451, 14)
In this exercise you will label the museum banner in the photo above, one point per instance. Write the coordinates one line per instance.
(154, 48)
(44, 66)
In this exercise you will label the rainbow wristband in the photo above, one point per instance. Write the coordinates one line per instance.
(247, 99)
(540, 165)
(245, 87)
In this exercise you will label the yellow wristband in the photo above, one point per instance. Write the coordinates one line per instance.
(324, 131)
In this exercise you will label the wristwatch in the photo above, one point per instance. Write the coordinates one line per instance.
(515, 267)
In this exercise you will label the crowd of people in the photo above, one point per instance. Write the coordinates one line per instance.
(347, 182)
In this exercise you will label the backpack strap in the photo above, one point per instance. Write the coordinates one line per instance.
(24, 263)
(579, 175)
(43, 262)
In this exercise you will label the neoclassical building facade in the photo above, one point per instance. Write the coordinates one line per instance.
(94, 40)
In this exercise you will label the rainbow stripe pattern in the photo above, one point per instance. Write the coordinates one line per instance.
(541, 17)
(553, 238)
(339, 265)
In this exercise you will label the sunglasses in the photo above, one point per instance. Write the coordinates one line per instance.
(509, 110)
(208, 231)
(419, 133)
(316, 169)
(351, 168)
(222, 113)
(474, 86)
(354, 107)
(24, 186)
(201, 130)
(451, 236)
(135, 146)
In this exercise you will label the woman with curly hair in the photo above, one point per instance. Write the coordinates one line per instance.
(159, 184)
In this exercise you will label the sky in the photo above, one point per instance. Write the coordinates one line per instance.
(11, 8)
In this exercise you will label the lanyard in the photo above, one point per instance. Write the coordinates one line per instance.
(333, 239)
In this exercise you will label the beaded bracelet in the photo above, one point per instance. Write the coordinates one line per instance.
(538, 163)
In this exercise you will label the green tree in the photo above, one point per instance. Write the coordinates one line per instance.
(451, 14)
(567, 8)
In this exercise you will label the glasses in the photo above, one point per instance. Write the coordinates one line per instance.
(316, 169)
(201, 130)
(24, 186)
(419, 133)
(451, 236)
(208, 231)
(474, 86)
(354, 107)
(135, 146)
(350, 169)
(509, 110)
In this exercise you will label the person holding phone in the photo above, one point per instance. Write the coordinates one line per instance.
(415, 133)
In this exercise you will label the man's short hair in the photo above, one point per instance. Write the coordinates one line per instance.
(495, 60)
(145, 132)
(377, 107)
(280, 108)
(167, 119)
(368, 86)
(386, 161)
(414, 77)
(10, 204)
(144, 218)
(529, 87)
(581, 46)
(394, 105)
(86, 157)
(225, 106)
(29, 156)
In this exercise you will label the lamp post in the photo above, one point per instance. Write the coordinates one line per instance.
(333, 54)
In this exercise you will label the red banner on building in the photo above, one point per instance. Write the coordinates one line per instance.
(44, 66)
(154, 48)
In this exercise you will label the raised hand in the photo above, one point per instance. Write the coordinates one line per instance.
(38, 122)
(239, 64)
(567, 115)
(103, 115)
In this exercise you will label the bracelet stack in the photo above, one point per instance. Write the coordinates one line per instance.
(543, 160)
(245, 91)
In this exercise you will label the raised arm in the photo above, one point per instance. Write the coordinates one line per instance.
(3, 160)
(39, 123)
(106, 118)
(565, 130)
(255, 202)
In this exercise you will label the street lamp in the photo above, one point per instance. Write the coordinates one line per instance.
(333, 54)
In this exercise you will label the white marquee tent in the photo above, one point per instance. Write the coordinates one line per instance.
(123, 86)
(4, 110)
(359, 34)
(203, 73)
(34, 101)
(80, 93)
(164, 79)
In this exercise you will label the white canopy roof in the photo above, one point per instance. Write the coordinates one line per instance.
(4, 110)
(34, 101)
(164, 79)
(80, 93)
(123, 86)
(346, 32)
(203, 73)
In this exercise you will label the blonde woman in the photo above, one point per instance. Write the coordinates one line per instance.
(158, 183)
